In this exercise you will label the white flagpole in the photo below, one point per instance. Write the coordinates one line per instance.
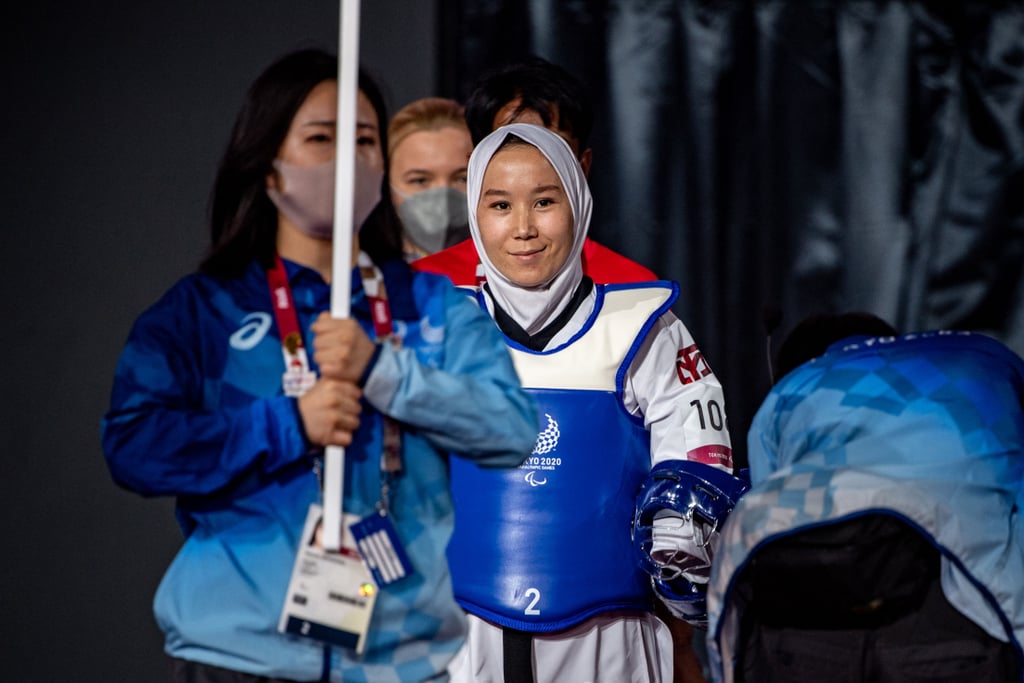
(341, 265)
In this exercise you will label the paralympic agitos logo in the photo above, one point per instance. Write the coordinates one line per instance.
(543, 457)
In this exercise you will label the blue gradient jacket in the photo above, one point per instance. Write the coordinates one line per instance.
(928, 427)
(197, 412)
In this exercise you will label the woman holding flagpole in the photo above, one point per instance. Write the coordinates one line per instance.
(231, 386)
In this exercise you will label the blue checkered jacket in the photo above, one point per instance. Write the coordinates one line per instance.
(928, 427)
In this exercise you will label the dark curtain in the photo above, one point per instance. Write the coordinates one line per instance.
(784, 158)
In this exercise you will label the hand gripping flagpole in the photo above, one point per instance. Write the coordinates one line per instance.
(341, 263)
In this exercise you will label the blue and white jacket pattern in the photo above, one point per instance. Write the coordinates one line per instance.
(927, 427)
(198, 413)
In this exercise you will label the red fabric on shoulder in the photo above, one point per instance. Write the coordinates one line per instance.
(458, 262)
(603, 265)
(606, 267)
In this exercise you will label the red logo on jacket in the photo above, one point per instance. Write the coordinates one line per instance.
(690, 364)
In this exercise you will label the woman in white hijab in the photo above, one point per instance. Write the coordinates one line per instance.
(541, 557)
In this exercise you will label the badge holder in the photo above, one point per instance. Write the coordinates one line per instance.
(331, 594)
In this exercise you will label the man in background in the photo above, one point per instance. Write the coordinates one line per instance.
(538, 92)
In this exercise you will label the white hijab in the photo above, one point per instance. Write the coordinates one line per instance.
(533, 308)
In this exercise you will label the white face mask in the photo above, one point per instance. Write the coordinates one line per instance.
(434, 219)
(307, 199)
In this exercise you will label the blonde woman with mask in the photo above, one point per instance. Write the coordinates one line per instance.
(428, 151)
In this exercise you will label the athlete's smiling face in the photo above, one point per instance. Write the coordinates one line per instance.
(524, 216)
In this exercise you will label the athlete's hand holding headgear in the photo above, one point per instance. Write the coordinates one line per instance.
(679, 511)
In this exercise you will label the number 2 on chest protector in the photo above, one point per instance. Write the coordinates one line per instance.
(531, 609)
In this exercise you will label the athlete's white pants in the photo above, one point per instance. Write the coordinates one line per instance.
(613, 647)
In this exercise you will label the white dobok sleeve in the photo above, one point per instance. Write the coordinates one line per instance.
(672, 385)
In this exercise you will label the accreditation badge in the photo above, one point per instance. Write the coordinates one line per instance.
(297, 378)
(297, 382)
(331, 594)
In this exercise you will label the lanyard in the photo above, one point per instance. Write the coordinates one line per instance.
(298, 377)
(376, 294)
(383, 327)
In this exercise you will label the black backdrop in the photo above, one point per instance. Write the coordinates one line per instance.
(114, 116)
(781, 158)
(789, 156)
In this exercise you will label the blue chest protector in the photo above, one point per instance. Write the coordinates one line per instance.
(544, 546)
